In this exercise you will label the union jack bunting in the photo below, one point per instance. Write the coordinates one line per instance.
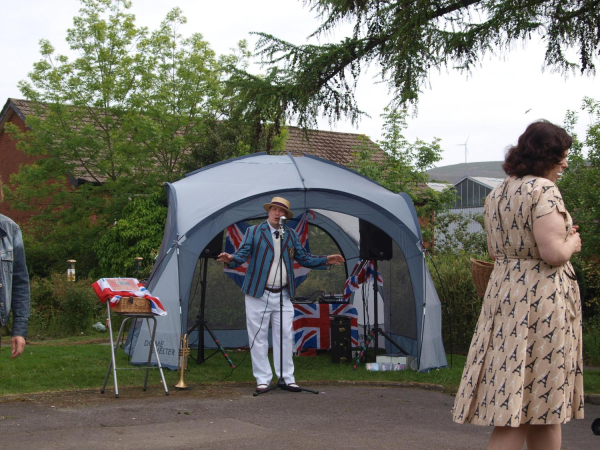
(312, 328)
(363, 271)
(235, 235)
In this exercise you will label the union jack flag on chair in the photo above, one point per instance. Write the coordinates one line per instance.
(235, 236)
(312, 327)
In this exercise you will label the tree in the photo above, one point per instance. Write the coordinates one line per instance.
(402, 168)
(579, 188)
(406, 40)
(132, 110)
(79, 112)
(579, 184)
(138, 233)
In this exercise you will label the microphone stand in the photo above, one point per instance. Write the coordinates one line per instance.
(281, 384)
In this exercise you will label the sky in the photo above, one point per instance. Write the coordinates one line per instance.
(484, 112)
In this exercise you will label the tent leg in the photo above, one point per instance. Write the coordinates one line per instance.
(424, 308)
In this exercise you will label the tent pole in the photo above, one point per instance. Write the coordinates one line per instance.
(423, 250)
(376, 308)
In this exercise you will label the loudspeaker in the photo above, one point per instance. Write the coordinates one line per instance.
(374, 243)
(214, 247)
(341, 343)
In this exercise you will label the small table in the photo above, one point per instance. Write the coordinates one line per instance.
(113, 346)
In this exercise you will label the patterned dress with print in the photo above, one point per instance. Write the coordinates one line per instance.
(524, 364)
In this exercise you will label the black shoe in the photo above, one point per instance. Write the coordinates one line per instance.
(262, 388)
(293, 387)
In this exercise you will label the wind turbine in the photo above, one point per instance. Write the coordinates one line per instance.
(465, 146)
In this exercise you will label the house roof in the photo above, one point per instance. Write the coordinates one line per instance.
(438, 187)
(456, 172)
(13, 106)
(331, 145)
(486, 181)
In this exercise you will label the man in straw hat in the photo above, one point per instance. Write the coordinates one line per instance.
(262, 244)
(14, 282)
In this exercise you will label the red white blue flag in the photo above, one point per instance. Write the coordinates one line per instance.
(312, 328)
(112, 289)
(363, 271)
(235, 236)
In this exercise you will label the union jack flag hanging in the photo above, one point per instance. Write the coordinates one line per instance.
(363, 271)
(235, 235)
(312, 328)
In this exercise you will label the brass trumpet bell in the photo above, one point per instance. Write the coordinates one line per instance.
(184, 351)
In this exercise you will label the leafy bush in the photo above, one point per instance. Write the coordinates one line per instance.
(460, 239)
(588, 277)
(138, 233)
(591, 341)
(60, 307)
(461, 305)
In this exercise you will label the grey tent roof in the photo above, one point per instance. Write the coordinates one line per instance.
(228, 186)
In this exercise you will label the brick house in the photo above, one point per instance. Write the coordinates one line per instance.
(15, 112)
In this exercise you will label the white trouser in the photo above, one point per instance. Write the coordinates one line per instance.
(258, 313)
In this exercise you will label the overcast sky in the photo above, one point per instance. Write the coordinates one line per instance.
(491, 108)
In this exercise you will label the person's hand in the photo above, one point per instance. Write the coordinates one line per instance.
(576, 239)
(225, 258)
(18, 345)
(335, 259)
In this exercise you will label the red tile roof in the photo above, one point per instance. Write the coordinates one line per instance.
(330, 145)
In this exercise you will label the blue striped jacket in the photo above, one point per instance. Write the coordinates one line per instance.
(258, 246)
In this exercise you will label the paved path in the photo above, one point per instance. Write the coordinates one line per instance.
(229, 417)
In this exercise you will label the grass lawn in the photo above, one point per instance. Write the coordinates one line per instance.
(68, 365)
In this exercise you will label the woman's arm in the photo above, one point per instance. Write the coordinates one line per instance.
(549, 233)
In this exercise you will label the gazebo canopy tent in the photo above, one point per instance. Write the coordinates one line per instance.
(210, 199)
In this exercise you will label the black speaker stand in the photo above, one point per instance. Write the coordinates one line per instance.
(201, 325)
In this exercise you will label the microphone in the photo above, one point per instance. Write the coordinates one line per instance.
(282, 221)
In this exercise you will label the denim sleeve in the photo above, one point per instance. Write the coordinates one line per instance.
(20, 288)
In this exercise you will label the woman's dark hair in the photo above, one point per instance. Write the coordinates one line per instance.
(539, 149)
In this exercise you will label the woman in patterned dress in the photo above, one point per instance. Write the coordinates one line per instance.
(523, 374)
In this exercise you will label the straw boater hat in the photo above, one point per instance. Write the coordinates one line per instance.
(282, 203)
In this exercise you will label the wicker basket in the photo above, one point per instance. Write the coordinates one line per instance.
(129, 305)
(481, 271)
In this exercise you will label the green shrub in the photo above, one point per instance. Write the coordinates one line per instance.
(461, 305)
(138, 232)
(588, 277)
(591, 341)
(60, 307)
(45, 309)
